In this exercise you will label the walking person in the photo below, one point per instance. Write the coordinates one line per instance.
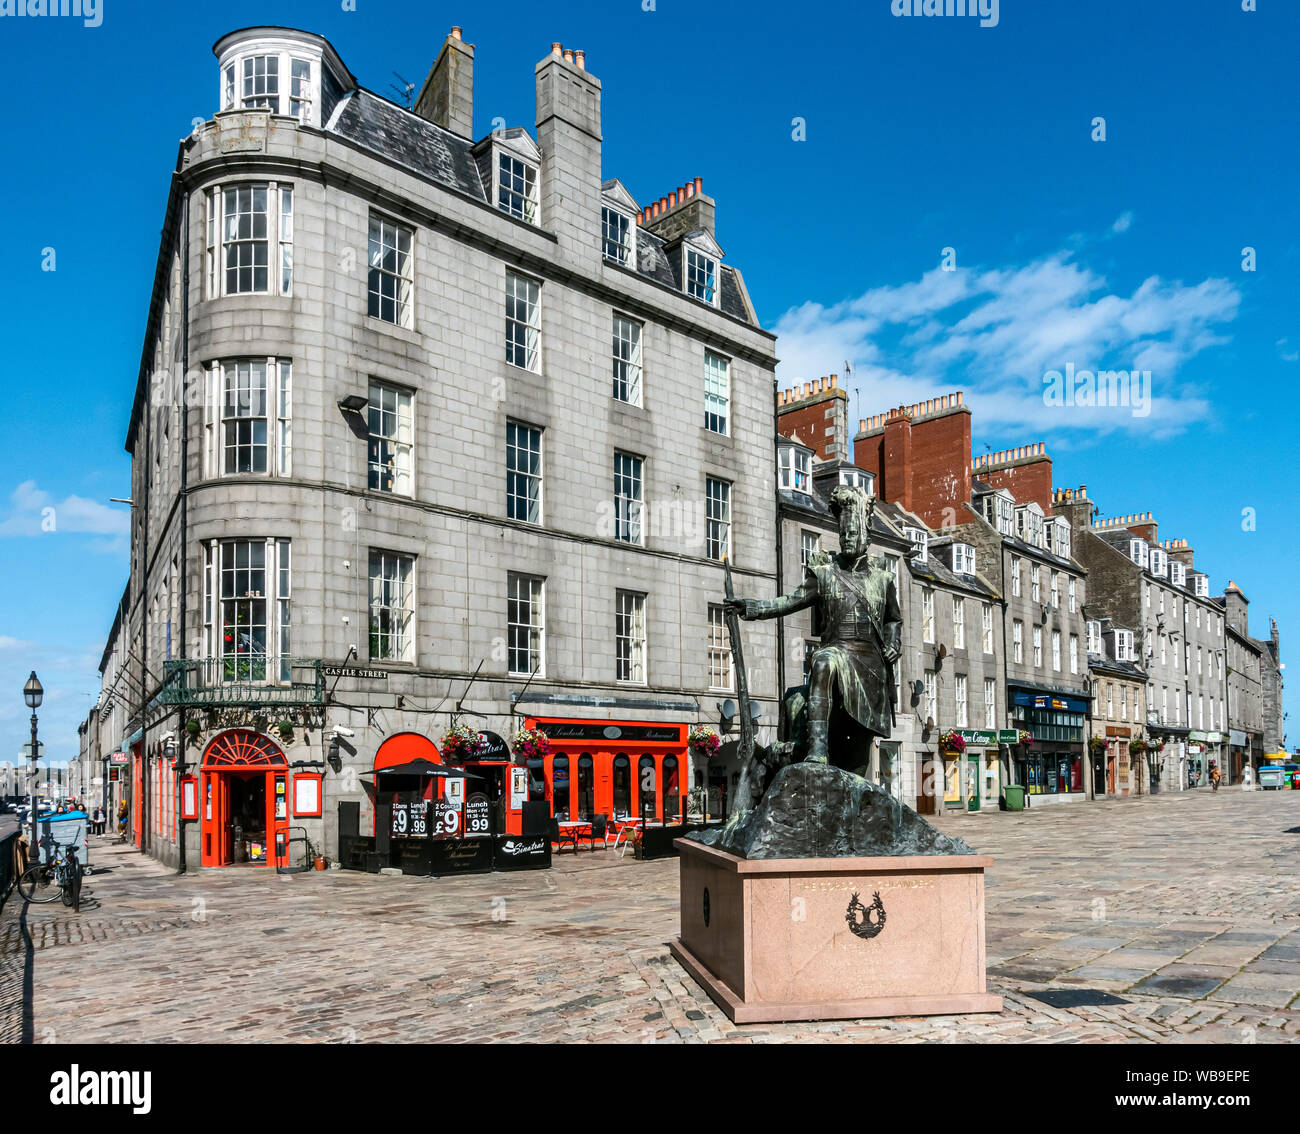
(1215, 776)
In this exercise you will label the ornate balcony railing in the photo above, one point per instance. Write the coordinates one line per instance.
(249, 679)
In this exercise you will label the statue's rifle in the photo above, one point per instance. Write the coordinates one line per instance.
(745, 750)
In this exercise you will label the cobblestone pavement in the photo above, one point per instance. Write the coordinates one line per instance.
(1185, 908)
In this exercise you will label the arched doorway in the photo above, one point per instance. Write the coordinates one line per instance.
(244, 785)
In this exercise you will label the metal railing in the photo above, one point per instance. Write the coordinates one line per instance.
(246, 679)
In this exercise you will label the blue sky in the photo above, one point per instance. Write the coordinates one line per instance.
(920, 135)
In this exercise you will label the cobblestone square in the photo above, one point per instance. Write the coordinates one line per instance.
(1129, 905)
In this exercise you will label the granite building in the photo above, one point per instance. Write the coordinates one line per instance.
(428, 426)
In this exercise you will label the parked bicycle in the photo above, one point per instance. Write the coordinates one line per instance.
(45, 881)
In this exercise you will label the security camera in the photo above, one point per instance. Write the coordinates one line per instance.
(339, 730)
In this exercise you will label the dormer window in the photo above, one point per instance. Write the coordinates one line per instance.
(517, 187)
(963, 559)
(856, 478)
(1124, 645)
(796, 469)
(701, 277)
(1201, 586)
(1178, 574)
(281, 70)
(1061, 537)
(1000, 511)
(1137, 551)
(1159, 562)
(617, 230)
(1094, 637)
(1029, 525)
(920, 543)
(261, 83)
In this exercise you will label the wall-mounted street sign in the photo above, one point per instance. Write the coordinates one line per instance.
(118, 758)
(355, 671)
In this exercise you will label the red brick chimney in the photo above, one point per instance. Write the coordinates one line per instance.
(920, 455)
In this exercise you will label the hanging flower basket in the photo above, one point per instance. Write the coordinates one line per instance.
(704, 740)
(1026, 737)
(952, 742)
(531, 744)
(1137, 746)
(1097, 745)
(461, 743)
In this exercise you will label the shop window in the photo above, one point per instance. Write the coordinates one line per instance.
(645, 776)
(622, 785)
(560, 787)
(586, 786)
(672, 790)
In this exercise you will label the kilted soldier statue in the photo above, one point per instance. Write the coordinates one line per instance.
(850, 692)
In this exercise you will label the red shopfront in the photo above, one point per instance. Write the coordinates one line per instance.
(623, 768)
(244, 794)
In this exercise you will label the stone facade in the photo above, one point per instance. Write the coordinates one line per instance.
(320, 516)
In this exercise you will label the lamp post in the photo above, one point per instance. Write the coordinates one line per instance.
(32, 694)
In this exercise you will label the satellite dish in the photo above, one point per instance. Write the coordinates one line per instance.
(755, 711)
(727, 708)
(918, 686)
(943, 651)
(929, 723)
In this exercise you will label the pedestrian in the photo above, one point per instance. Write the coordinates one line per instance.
(95, 820)
(123, 809)
(1215, 776)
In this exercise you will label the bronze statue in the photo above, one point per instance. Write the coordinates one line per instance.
(850, 693)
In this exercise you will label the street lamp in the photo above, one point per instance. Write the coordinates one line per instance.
(32, 694)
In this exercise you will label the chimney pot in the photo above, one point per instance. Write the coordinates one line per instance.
(557, 49)
(699, 185)
(580, 57)
(672, 199)
(455, 33)
(568, 55)
(835, 381)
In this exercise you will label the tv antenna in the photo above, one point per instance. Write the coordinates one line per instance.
(405, 93)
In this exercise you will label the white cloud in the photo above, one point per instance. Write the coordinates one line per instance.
(33, 511)
(996, 332)
(1123, 222)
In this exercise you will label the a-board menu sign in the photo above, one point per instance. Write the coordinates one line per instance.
(446, 820)
(411, 820)
(477, 819)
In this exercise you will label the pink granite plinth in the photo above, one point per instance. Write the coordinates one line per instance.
(771, 939)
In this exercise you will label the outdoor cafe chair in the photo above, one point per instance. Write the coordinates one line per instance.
(599, 831)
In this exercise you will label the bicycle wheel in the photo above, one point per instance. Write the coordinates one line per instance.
(38, 884)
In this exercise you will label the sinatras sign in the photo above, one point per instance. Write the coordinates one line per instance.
(987, 737)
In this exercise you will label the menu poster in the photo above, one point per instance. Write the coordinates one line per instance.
(445, 821)
(411, 820)
(477, 821)
(518, 788)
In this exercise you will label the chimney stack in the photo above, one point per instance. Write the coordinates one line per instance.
(447, 97)
(568, 134)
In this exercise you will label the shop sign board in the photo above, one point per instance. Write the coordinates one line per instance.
(477, 818)
(518, 788)
(988, 737)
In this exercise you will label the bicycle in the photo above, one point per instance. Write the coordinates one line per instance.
(45, 881)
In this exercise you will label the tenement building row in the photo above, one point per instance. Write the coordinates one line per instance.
(435, 428)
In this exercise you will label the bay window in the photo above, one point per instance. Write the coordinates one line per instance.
(249, 239)
(246, 610)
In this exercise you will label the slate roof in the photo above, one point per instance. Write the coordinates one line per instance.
(1119, 668)
(428, 150)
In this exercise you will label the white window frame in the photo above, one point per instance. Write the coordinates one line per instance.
(990, 703)
(630, 648)
(931, 696)
(961, 695)
(717, 393)
(721, 677)
(1124, 645)
(525, 464)
(717, 518)
(1054, 590)
(519, 198)
(796, 469)
(963, 558)
(920, 543)
(277, 238)
(399, 445)
(1038, 647)
(986, 620)
(275, 665)
(1056, 650)
(958, 623)
(525, 623)
(810, 543)
(706, 285)
(629, 498)
(625, 251)
(927, 615)
(250, 97)
(400, 613)
(1072, 593)
(1018, 641)
(277, 416)
(523, 334)
(1035, 583)
(391, 265)
(1074, 653)
(626, 359)
(1015, 576)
